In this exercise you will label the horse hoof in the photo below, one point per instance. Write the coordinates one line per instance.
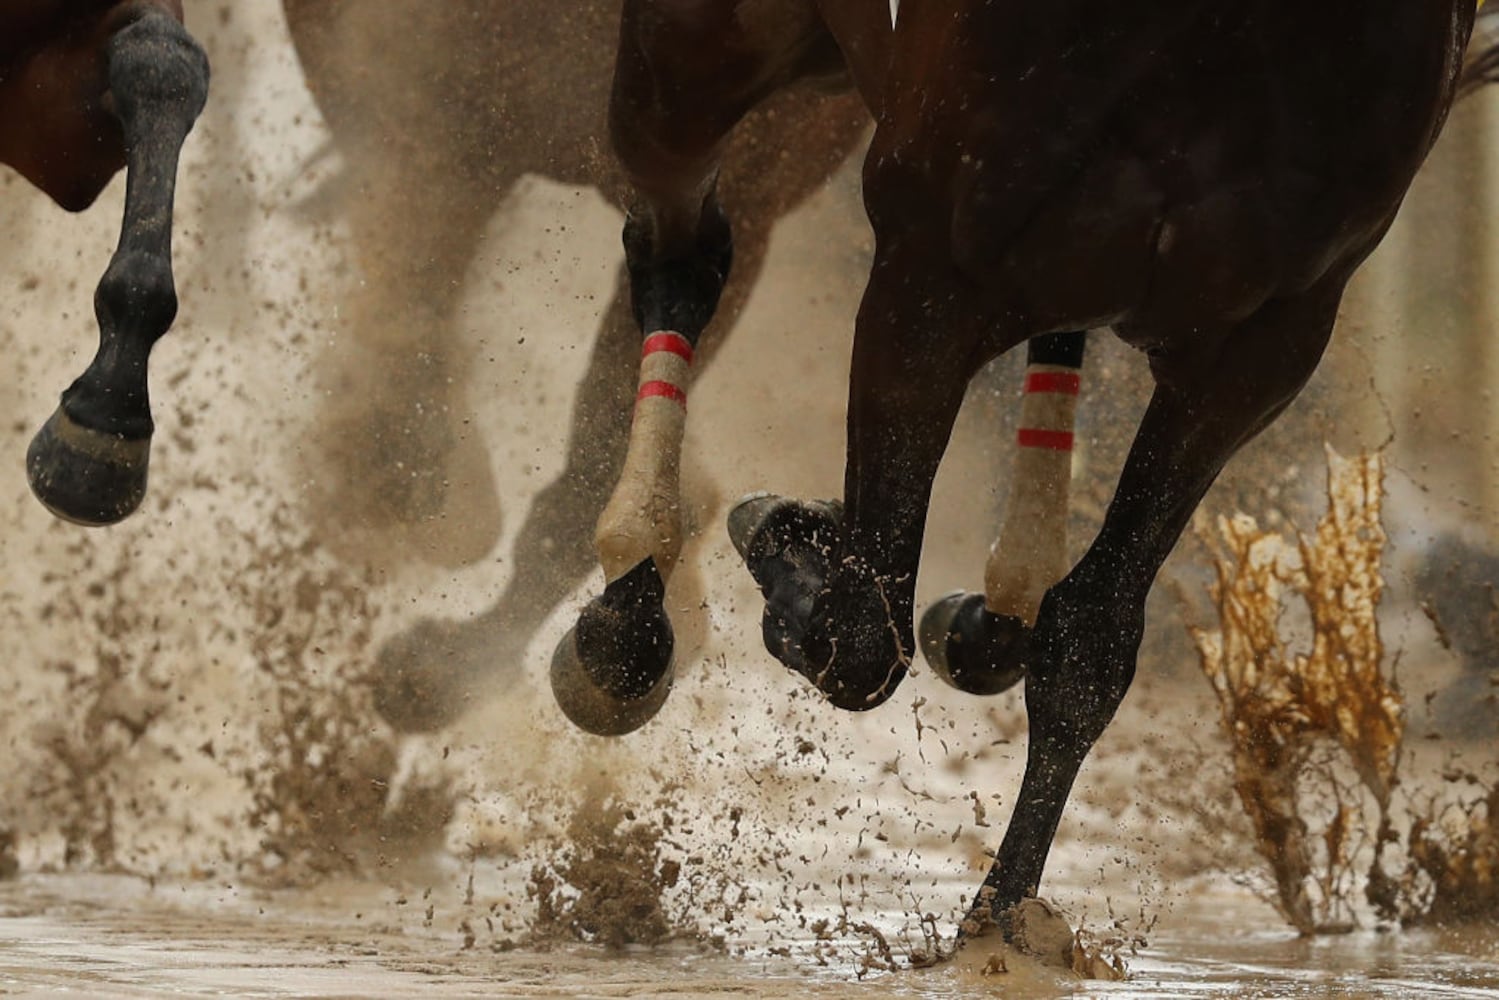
(86, 476)
(612, 671)
(593, 708)
(755, 512)
(748, 515)
(970, 648)
(418, 687)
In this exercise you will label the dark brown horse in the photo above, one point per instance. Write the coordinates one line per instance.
(85, 89)
(1201, 177)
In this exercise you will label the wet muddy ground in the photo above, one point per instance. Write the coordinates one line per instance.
(117, 937)
(200, 798)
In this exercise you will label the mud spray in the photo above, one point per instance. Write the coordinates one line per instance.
(195, 766)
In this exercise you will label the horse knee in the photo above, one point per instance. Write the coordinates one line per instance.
(157, 71)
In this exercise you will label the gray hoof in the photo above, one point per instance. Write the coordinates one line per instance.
(86, 476)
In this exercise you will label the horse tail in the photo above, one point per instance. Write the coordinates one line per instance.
(1481, 66)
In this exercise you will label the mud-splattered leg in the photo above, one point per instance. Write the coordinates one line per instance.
(840, 585)
(1081, 655)
(685, 75)
(964, 636)
(778, 156)
(88, 463)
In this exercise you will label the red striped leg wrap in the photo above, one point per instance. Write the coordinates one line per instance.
(1031, 553)
(643, 520)
(665, 360)
(1048, 407)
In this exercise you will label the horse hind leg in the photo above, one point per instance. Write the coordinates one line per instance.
(1080, 657)
(88, 462)
(968, 639)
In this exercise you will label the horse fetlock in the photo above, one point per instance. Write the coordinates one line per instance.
(856, 644)
(612, 672)
(970, 647)
(137, 295)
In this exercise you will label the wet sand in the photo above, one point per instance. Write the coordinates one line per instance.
(117, 937)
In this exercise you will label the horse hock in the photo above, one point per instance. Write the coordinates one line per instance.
(88, 462)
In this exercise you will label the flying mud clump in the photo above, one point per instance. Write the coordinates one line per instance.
(606, 885)
(1316, 724)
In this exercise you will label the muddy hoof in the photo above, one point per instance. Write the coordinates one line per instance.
(763, 524)
(971, 648)
(593, 708)
(85, 476)
(420, 686)
(612, 672)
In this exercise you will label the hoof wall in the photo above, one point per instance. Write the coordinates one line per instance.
(592, 708)
(85, 476)
(753, 514)
(970, 648)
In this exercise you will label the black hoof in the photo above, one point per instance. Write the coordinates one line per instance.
(612, 672)
(86, 476)
(971, 648)
(420, 682)
(763, 525)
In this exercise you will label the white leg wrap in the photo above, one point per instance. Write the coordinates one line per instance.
(643, 518)
(1031, 553)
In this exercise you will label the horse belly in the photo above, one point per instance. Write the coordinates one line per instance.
(1083, 261)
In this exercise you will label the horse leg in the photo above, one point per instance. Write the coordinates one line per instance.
(88, 462)
(397, 457)
(1080, 657)
(839, 580)
(963, 635)
(686, 74)
(428, 675)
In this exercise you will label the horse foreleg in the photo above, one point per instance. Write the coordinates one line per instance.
(965, 636)
(839, 581)
(1081, 655)
(672, 105)
(88, 462)
(686, 73)
(612, 672)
